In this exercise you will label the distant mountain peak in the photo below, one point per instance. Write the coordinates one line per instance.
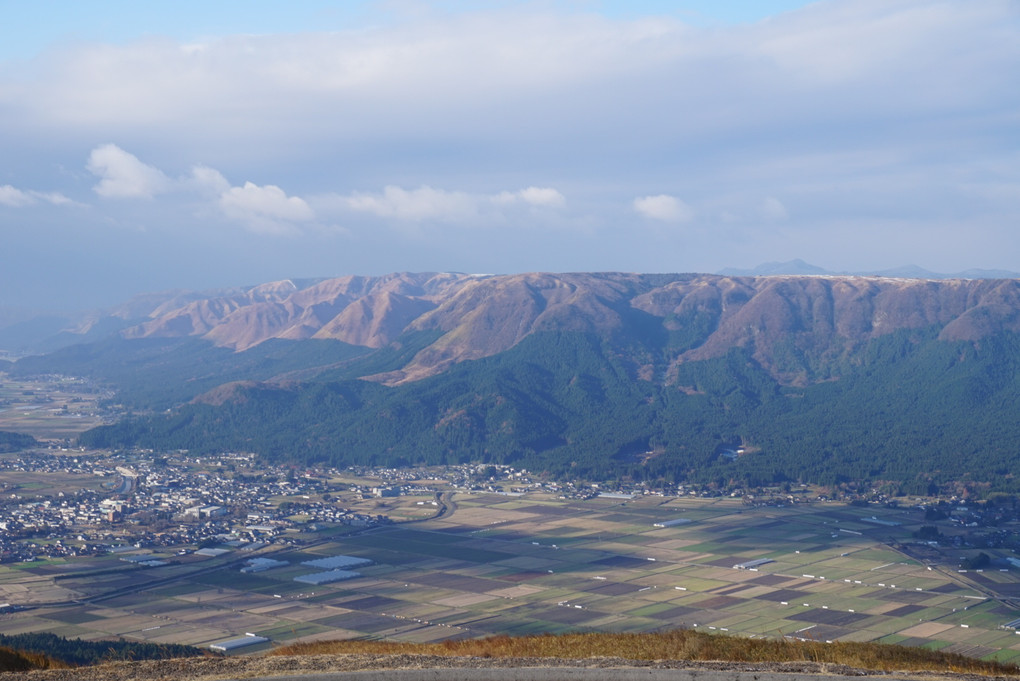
(766, 269)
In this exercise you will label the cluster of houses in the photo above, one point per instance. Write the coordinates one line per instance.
(154, 501)
(159, 503)
(147, 500)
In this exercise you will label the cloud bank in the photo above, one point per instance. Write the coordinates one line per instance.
(810, 134)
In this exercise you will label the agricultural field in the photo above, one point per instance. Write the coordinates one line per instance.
(536, 563)
(56, 408)
(49, 482)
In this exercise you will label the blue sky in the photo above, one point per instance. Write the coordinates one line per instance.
(34, 26)
(150, 146)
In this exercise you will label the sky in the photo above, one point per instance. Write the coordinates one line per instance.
(154, 146)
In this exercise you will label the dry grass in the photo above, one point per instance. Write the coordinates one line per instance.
(681, 644)
(21, 661)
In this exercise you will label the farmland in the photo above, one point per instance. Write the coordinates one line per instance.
(49, 408)
(531, 563)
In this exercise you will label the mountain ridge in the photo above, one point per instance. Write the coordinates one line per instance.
(812, 317)
(179, 311)
(799, 267)
(829, 378)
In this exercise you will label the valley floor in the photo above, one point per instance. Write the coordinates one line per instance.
(536, 563)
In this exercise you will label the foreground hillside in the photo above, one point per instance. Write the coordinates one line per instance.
(612, 376)
(682, 649)
(681, 644)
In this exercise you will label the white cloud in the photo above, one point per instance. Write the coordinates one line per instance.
(265, 209)
(208, 180)
(12, 196)
(430, 204)
(663, 207)
(441, 73)
(535, 196)
(842, 41)
(423, 203)
(56, 198)
(773, 209)
(123, 176)
(542, 196)
(442, 63)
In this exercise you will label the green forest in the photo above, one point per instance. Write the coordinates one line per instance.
(78, 652)
(907, 409)
(15, 442)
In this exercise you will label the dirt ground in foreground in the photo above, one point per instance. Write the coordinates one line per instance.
(211, 669)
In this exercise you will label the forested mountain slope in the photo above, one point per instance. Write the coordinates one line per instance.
(819, 378)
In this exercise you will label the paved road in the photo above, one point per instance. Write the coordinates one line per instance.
(564, 674)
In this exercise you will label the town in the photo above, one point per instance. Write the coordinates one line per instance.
(164, 502)
(64, 502)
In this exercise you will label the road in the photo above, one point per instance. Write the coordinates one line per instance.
(445, 508)
(564, 674)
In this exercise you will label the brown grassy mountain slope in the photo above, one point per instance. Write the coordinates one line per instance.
(790, 324)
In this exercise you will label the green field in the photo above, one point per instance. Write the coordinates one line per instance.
(539, 564)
